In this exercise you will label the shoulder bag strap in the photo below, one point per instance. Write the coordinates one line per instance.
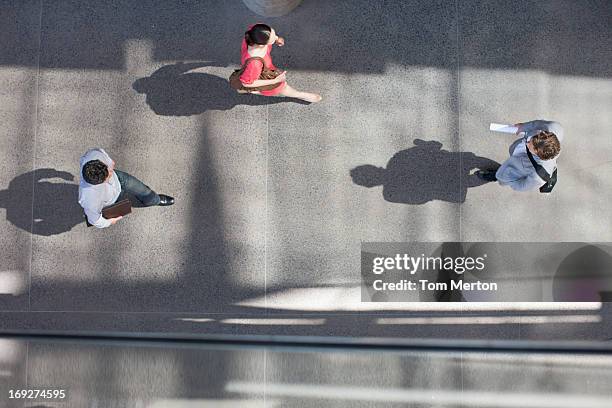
(539, 169)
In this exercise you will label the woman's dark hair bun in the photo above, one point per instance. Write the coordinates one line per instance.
(259, 34)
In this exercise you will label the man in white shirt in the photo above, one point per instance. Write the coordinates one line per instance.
(101, 185)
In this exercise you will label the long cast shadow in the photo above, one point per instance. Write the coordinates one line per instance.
(424, 173)
(174, 91)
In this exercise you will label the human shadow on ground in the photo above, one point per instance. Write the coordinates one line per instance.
(174, 91)
(55, 210)
(424, 173)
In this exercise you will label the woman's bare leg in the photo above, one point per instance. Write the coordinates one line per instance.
(305, 96)
(242, 91)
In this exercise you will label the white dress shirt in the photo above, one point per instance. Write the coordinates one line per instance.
(93, 198)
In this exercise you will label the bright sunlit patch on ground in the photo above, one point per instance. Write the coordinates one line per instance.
(586, 362)
(332, 299)
(275, 322)
(12, 282)
(491, 319)
(195, 320)
(422, 396)
(213, 403)
(10, 351)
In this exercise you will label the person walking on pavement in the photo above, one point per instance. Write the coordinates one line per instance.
(101, 185)
(258, 42)
(539, 144)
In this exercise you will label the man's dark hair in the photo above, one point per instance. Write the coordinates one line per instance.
(546, 145)
(95, 172)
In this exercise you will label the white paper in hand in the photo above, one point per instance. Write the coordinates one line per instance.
(498, 127)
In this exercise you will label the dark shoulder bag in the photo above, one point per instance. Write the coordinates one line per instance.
(550, 180)
(266, 73)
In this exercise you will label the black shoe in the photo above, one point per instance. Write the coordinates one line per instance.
(486, 175)
(165, 200)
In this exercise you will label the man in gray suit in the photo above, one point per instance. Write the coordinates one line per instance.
(543, 139)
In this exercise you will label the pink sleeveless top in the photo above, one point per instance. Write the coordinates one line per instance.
(253, 69)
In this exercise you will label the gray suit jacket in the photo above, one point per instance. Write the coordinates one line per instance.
(518, 172)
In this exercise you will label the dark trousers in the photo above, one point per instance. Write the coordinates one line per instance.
(130, 185)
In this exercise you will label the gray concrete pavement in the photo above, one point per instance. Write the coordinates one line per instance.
(19, 55)
(149, 374)
(268, 219)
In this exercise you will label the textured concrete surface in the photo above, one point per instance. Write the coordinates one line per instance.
(552, 79)
(271, 8)
(18, 74)
(148, 374)
(274, 196)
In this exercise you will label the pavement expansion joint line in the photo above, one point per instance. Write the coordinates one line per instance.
(36, 109)
(266, 211)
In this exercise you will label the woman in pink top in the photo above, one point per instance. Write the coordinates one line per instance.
(258, 41)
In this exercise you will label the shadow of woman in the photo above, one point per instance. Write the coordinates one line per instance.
(174, 91)
(56, 209)
(424, 173)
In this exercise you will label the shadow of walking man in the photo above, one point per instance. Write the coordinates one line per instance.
(174, 91)
(424, 173)
(56, 209)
